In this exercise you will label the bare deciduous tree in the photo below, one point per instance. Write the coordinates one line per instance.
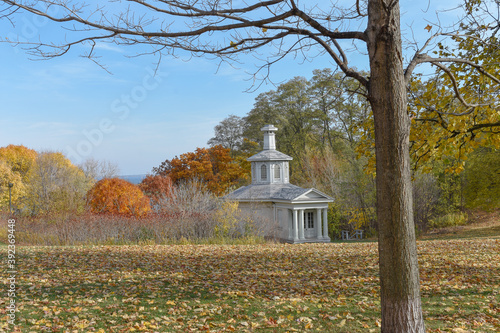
(275, 29)
(96, 170)
(228, 133)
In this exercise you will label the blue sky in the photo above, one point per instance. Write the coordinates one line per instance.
(129, 117)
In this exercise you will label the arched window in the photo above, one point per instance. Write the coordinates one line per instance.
(263, 172)
(277, 171)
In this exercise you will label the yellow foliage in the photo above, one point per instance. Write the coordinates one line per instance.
(442, 128)
(227, 218)
(55, 184)
(360, 217)
(18, 189)
(42, 182)
(19, 158)
(15, 164)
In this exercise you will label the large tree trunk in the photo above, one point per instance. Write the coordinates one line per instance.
(399, 277)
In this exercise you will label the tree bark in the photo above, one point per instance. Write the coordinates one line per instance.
(399, 276)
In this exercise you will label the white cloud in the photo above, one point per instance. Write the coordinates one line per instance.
(54, 129)
(109, 47)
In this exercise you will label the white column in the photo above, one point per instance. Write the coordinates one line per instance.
(318, 222)
(301, 224)
(325, 224)
(295, 226)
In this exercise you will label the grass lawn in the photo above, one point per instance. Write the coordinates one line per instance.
(245, 288)
(485, 224)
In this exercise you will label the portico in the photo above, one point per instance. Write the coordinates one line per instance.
(307, 224)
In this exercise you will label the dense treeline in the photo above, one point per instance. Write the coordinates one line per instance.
(326, 125)
(214, 167)
(46, 182)
(59, 203)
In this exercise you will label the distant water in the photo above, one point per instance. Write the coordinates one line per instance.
(134, 179)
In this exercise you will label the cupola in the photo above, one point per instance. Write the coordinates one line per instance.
(270, 166)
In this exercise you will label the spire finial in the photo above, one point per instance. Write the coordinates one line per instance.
(269, 140)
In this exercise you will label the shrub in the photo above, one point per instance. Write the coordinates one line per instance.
(117, 196)
(192, 206)
(449, 220)
(192, 214)
(227, 219)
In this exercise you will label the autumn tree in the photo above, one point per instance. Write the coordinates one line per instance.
(12, 180)
(323, 113)
(288, 107)
(15, 164)
(456, 111)
(213, 166)
(282, 27)
(54, 185)
(96, 170)
(117, 196)
(20, 159)
(43, 182)
(156, 188)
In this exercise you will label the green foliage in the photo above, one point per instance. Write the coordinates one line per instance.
(482, 179)
(335, 221)
(320, 113)
(449, 220)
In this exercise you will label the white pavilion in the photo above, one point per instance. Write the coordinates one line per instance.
(301, 214)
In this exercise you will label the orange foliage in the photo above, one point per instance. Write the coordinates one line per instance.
(156, 187)
(117, 196)
(213, 166)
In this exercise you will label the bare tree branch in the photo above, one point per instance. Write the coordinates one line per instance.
(206, 18)
(417, 58)
(424, 58)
